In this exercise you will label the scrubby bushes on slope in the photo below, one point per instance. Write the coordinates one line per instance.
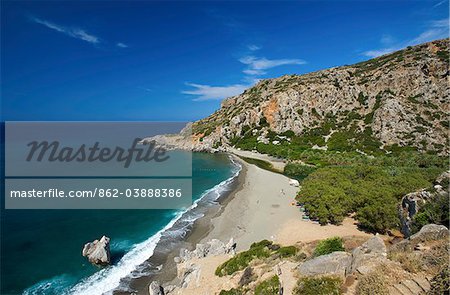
(259, 250)
(318, 286)
(268, 287)
(328, 246)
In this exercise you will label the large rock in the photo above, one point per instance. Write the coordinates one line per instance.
(155, 289)
(334, 263)
(409, 206)
(231, 247)
(213, 247)
(443, 178)
(367, 256)
(97, 252)
(188, 274)
(429, 232)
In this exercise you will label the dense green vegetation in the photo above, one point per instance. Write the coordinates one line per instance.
(287, 251)
(328, 246)
(259, 250)
(242, 260)
(341, 181)
(268, 287)
(260, 163)
(298, 171)
(344, 143)
(436, 212)
(372, 192)
(318, 286)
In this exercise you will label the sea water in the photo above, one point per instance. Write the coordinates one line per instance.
(41, 249)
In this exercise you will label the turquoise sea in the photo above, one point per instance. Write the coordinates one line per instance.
(41, 249)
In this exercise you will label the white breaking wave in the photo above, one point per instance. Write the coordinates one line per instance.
(108, 279)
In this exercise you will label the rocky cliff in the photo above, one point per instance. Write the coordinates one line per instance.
(396, 100)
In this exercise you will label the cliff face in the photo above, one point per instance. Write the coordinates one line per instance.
(396, 99)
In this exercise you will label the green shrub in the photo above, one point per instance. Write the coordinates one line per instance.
(436, 211)
(318, 286)
(372, 192)
(232, 292)
(328, 246)
(287, 251)
(268, 287)
(298, 171)
(443, 54)
(242, 260)
(362, 99)
(340, 141)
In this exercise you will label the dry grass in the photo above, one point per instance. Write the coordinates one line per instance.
(372, 284)
(431, 260)
(410, 261)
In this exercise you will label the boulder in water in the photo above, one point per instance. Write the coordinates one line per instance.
(97, 252)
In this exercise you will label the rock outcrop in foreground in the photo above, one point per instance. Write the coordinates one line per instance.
(97, 252)
(410, 267)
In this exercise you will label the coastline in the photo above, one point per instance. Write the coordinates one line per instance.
(255, 209)
(261, 208)
(258, 206)
(199, 230)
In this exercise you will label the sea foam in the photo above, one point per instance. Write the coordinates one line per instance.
(109, 279)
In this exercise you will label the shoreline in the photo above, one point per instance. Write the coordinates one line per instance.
(199, 231)
(244, 218)
(257, 207)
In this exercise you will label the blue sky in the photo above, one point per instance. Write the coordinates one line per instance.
(148, 60)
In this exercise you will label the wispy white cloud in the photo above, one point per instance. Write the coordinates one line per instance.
(147, 89)
(253, 47)
(72, 32)
(207, 92)
(441, 23)
(379, 52)
(387, 39)
(439, 3)
(437, 29)
(121, 45)
(257, 65)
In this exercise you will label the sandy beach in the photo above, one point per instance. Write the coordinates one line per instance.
(260, 208)
(257, 209)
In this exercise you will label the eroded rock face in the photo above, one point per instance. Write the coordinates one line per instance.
(97, 252)
(155, 289)
(213, 247)
(429, 232)
(334, 263)
(400, 98)
(188, 274)
(367, 256)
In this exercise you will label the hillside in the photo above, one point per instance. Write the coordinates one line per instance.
(383, 104)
